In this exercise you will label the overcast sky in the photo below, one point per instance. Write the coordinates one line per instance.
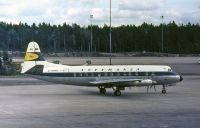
(78, 11)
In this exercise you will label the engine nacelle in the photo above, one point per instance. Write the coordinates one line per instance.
(146, 82)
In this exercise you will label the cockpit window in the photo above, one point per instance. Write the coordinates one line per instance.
(170, 70)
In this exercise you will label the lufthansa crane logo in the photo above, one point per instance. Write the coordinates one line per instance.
(31, 56)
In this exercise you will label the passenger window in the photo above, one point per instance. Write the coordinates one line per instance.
(74, 74)
(116, 74)
(92, 74)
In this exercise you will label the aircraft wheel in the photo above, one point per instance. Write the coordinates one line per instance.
(117, 93)
(102, 91)
(164, 91)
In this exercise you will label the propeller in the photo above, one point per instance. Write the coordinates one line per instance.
(150, 86)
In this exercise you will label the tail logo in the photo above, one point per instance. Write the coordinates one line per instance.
(31, 56)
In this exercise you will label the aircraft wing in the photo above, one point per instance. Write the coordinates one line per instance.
(129, 82)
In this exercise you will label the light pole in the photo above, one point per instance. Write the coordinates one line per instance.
(91, 17)
(162, 50)
(110, 34)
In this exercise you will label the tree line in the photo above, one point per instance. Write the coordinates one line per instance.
(178, 38)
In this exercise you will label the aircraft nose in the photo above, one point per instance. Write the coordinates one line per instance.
(181, 78)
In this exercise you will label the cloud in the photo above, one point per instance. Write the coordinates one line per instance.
(136, 5)
(78, 11)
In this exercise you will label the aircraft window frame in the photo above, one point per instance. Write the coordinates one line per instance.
(152, 74)
(105, 74)
(116, 74)
(92, 74)
(71, 75)
(165, 73)
(141, 74)
(89, 74)
(95, 74)
(132, 73)
(86, 74)
(111, 74)
(80, 74)
(121, 74)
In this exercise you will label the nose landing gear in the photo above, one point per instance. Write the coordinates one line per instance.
(164, 90)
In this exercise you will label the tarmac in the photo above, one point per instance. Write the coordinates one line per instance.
(29, 103)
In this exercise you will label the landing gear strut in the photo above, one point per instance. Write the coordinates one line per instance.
(102, 91)
(164, 90)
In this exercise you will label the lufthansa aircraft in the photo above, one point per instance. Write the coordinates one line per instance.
(102, 76)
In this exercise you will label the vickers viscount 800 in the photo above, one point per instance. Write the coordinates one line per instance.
(102, 76)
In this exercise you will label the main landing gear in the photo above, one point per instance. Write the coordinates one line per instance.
(102, 91)
(117, 93)
(117, 90)
(164, 90)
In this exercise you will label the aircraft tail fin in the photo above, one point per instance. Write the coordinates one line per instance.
(33, 53)
(32, 57)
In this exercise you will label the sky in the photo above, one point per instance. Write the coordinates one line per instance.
(78, 11)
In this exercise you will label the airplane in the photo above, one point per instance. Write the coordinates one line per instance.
(116, 77)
